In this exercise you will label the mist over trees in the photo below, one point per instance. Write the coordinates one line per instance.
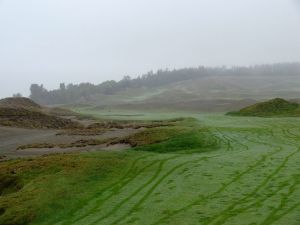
(71, 93)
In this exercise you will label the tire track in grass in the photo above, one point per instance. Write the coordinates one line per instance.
(220, 190)
(258, 201)
(286, 212)
(224, 139)
(293, 141)
(218, 140)
(108, 188)
(138, 190)
(292, 134)
(225, 214)
(155, 185)
(238, 142)
(232, 213)
(274, 216)
(101, 201)
(216, 193)
(114, 190)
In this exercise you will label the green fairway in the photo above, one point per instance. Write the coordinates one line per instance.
(250, 176)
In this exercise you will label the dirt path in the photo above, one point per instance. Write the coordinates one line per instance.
(11, 138)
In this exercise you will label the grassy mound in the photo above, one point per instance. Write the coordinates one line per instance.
(274, 107)
(184, 135)
(23, 112)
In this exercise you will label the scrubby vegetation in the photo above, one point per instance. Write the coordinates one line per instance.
(274, 107)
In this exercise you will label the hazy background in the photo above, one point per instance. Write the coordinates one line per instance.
(53, 41)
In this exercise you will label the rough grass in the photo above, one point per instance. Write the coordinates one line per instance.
(47, 187)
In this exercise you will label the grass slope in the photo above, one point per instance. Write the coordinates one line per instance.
(250, 176)
(274, 107)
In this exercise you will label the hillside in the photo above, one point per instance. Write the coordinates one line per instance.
(25, 113)
(188, 89)
(274, 107)
(216, 93)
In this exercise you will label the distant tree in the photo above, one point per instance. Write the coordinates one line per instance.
(17, 95)
(62, 86)
(39, 94)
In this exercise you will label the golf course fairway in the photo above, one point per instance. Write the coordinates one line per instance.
(250, 176)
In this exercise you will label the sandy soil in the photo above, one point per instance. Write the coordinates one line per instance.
(11, 138)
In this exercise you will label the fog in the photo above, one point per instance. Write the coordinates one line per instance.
(53, 41)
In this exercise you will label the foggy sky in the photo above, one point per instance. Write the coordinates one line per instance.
(53, 41)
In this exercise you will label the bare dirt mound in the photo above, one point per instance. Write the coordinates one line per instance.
(23, 112)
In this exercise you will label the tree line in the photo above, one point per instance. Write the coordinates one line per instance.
(72, 93)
